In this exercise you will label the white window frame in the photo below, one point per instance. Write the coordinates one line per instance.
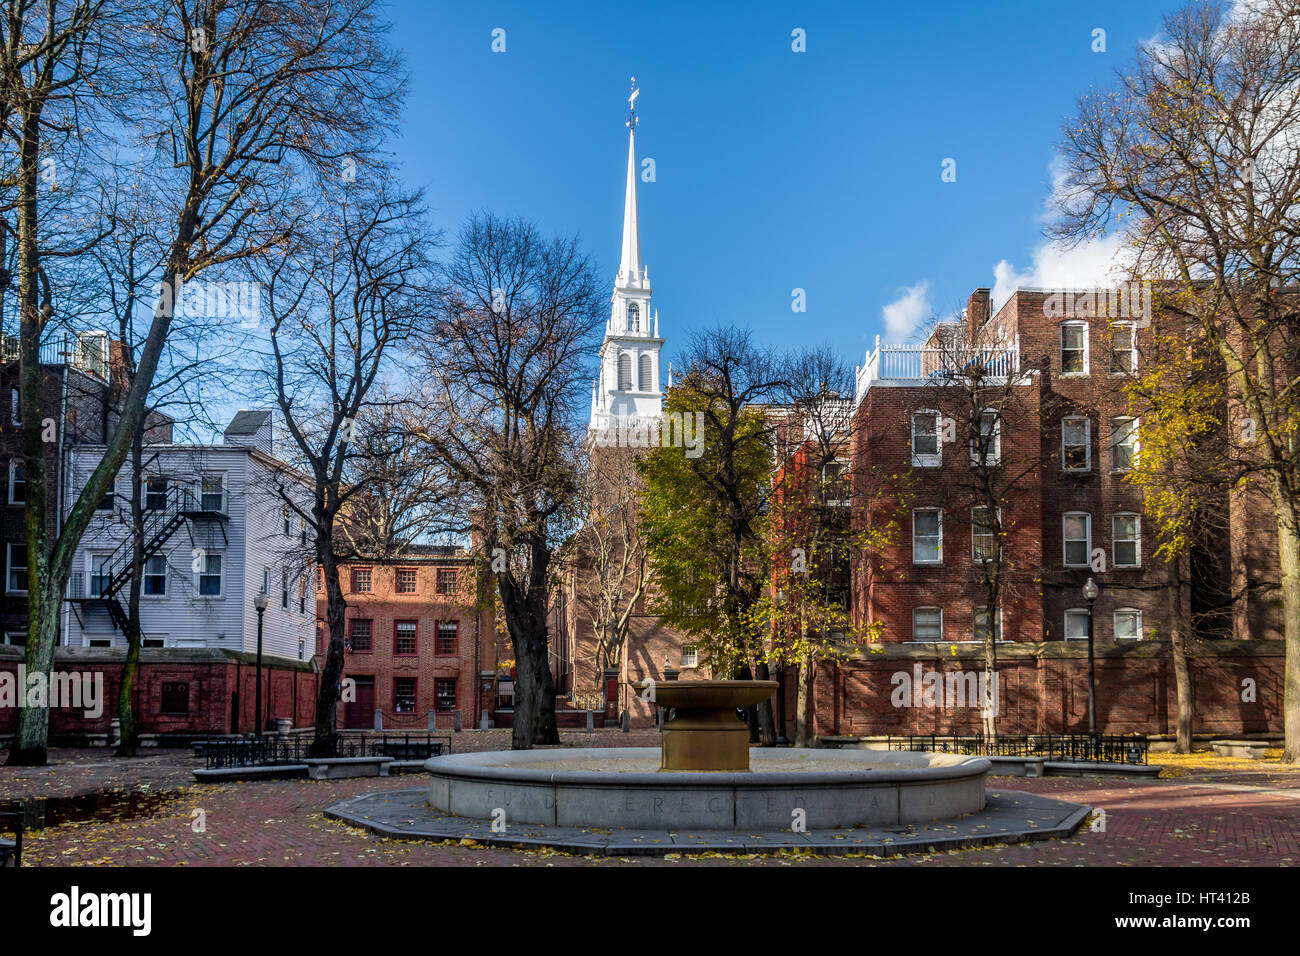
(1132, 348)
(90, 571)
(974, 556)
(920, 460)
(14, 465)
(995, 445)
(1061, 348)
(9, 567)
(1123, 419)
(144, 490)
(225, 491)
(997, 627)
(1076, 612)
(166, 575)
(631, 372)
(927, 607)
(203, 572)
(1115, 623)
(8, 638)
(1087, 540)
(939, 560)
(1115, 539)
(690, 656)
(1087, 444)
(284, 588)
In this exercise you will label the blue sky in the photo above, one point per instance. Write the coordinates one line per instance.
(775, 170)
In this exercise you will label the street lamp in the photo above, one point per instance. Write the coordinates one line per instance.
(259, 602)
(1090, 592)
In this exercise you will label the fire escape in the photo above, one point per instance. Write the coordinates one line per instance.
(113, 573)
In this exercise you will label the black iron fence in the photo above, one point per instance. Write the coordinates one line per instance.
(271, 750)
(1102, 748)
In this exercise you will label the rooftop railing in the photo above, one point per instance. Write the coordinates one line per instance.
(921, 364)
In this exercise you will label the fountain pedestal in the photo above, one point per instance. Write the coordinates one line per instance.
(704, 732)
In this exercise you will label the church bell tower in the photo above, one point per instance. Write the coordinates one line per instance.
(628, 386)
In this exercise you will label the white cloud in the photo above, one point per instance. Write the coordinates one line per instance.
(1092, 264)
(905, 314)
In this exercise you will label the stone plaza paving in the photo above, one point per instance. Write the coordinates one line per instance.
(1209, 811)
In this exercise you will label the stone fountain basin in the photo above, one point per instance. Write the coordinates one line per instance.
(622, 787)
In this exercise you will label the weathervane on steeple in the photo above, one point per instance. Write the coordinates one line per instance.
(631, 105)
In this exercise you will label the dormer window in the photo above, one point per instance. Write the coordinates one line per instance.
(633, 317)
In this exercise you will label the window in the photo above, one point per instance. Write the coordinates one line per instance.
(155, 576)
(212, 493)
(981, 629)
(288, 521)
(284, 588)
(404, 637)
(210, 575)
(625, 372)
(15, 403)
(984, 537)
(925, 439)
(927, 536)
(360, 632)
(175, 698)
(106, 502)
(447, 634)
(1076, 444)
(100, 574)
(1123, 348)
(1126, 540)
(302, 594)
(404, 580)
(1074, 348)
(927, 624)
(1076, 624)
(986, 439)
(361, 580)
(17, 483)
(1123, 443)
(633, 317)
(690, 658)
(1076, 528)
(15, 638)
(153, 641)
(446, 694)
(155, 493)
(1128, 624)
(446, 581)
(835, 484)
(320, 577)
(404, 695)
(16, 562)
(643, 364)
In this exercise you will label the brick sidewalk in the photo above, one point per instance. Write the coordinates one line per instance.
(280, 823)
(1211, 814)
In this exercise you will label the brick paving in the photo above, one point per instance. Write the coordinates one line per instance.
(1207, 816)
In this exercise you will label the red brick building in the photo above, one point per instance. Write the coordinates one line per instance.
(1067, 514)
(417, 643)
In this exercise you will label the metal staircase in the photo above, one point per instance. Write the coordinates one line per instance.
(160, 524)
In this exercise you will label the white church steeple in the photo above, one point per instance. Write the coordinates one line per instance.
(628, 387)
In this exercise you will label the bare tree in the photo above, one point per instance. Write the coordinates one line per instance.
(1196, 152)
(341, 302)
(505, 363)
(241, 104)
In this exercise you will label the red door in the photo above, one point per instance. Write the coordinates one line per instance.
(359, 714)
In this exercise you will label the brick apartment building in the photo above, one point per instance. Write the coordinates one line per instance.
(1068, 516)
(418, 644)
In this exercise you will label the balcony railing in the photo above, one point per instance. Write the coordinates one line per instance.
(919, 364)
(87, 351)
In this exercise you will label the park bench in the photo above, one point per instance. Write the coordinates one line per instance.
(11, 851)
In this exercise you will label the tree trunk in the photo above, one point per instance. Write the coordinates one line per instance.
(1178, 638)
(126, 690)
(325, 733)
(803, 735)
(1288, 534)
(766, 724)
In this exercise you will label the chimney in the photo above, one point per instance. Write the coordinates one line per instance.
(977, 311)
(250, 429)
